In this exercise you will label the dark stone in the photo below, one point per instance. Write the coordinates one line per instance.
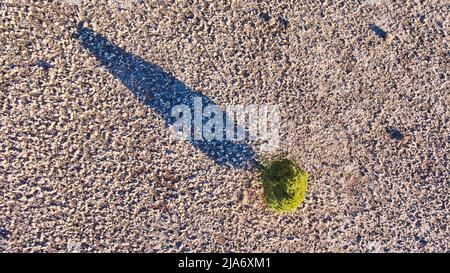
(4, 233)
(284, 23)
(264, 16)
(394, 133)
(378, 31)
(43, 64)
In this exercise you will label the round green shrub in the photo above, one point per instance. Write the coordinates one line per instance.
(284, 184)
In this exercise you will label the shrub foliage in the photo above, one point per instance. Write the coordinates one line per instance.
(284, 184)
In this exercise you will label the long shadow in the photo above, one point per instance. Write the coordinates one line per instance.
(161, 91)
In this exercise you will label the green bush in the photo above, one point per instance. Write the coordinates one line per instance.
(284, 184)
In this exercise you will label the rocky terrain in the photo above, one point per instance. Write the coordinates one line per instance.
(363, 90)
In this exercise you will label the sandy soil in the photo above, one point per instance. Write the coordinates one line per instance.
(87, 166)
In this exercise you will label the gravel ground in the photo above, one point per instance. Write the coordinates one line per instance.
(363, 89)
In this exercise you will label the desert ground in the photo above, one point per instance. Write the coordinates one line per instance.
(87, 166)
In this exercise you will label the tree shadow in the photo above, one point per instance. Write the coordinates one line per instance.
(161, 91)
